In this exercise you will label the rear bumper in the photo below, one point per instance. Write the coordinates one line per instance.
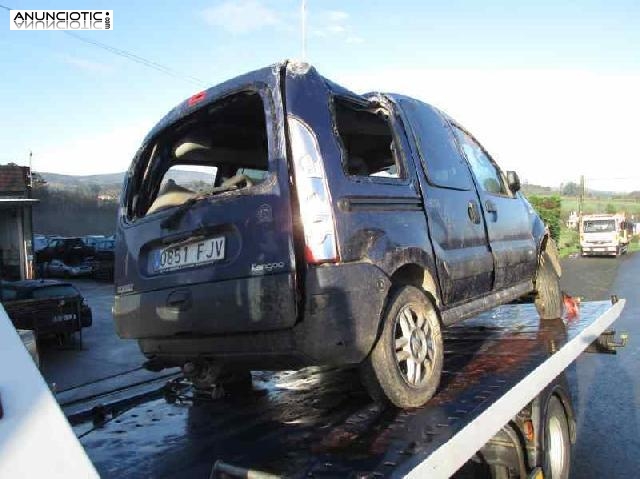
(260, 303)
(600, 250)
(51, 323)
(339, 325)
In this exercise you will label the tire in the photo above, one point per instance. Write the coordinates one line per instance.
(405, 364)
(548, 299)
(557, 452)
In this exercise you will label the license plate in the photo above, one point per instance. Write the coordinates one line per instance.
(61, 318)
(190, 254)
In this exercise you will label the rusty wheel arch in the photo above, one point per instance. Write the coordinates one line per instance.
(415, 275)
(419, 276)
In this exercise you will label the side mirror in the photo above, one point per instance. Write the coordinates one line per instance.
(513, 181)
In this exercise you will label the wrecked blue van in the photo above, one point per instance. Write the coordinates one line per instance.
(278, 221)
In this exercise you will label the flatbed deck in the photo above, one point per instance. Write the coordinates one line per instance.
(320, 423)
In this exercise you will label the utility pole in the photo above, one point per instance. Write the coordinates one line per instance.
(30, 169)
(581, 201)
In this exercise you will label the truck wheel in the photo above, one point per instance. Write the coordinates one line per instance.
(557, 454)
(548, 295)
(404, 366)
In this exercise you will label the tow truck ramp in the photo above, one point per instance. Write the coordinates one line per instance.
(319, 422)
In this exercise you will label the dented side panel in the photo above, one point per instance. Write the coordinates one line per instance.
(378, 220)
(463, 257)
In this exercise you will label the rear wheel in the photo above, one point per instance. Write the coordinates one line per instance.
(557, 454)
(404, 366)
(548, 299)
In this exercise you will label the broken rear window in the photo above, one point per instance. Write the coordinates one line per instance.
(367, 141)
(218, 150)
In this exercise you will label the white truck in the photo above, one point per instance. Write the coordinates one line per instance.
(604, 234)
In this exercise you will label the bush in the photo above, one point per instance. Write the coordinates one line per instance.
(548, 207)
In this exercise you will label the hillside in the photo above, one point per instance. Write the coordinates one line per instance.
(65, 181)
(108, 181)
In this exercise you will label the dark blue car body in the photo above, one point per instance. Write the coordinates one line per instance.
(264, 305)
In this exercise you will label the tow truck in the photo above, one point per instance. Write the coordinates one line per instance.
(503, 409)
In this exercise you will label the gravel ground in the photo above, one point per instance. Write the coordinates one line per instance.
(103, 354)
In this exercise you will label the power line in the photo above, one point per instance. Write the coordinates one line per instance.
(136, 58)
(131, 56)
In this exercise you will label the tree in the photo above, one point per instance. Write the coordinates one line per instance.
(571, 189)
(548, 207)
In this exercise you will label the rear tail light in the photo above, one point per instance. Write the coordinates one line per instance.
(316, 213)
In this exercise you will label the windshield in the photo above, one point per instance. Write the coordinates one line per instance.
(599, 226)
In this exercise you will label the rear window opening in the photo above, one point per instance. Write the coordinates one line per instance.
(367, 141)
(220, 149)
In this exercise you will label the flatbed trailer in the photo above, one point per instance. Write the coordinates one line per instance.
(488, 418)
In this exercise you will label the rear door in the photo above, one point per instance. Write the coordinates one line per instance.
(506, 216)
(456, 224)
(212, 259)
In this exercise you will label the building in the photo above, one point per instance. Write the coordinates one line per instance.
(572, 222)
(16, 228)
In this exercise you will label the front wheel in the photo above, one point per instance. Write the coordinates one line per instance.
(404, 366)
(557, 454)
(548, 299)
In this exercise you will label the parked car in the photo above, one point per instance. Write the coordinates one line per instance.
(333, 228)
(103, 259)
(70, 251)
(47, 307)
(92, 240)
(60, 269)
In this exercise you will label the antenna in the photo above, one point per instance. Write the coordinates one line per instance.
(303, 21)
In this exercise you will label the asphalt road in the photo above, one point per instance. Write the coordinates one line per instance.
(103, 354)
(606, 388)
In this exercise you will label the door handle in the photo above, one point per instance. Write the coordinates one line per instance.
(472, 211)
(490, 207)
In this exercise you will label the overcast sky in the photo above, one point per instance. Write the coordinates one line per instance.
(551, 88)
